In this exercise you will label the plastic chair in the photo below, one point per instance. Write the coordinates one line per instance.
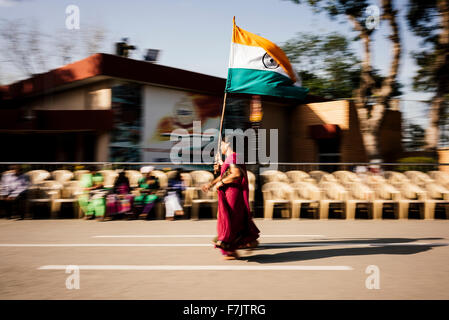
(299, 176)
(109, 177)
(276, 193)
(46, 192)
(199, 178)
(252, 188)
(62, 176)
(346, 178)
(133, 176)
(317, 175)
(162, 177)
(69, 194)
(273, 176)
(304, 193)
(189, 192)
(437, 194)
(410, 194)
(37, 176)
(332, 193)
(358, 194)
(251, 178)
(384, 195)
(440, 177)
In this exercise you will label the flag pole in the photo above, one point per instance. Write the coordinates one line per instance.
(217, 154)
(221, 128)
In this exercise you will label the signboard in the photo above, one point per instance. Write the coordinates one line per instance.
(166, 110)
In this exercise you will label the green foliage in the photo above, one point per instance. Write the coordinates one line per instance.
(326, 63)
(328, 66)
(421, 19)
(337, 8)
(413, 137)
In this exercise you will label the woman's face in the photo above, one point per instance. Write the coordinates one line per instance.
(224, 147)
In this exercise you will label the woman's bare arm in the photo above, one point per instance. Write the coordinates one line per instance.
(234, 175)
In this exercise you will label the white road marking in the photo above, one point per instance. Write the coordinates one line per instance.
(277, 245)
(198, 268)
(206, 236)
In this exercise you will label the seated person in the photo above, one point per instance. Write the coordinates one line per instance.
(148, 188)
(14, 187)
(120, 200)
(92, 201)
(173, 199)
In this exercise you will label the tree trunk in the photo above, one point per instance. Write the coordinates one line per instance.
(433, 130)
(441, 76)
(370, 129)
(371, 117)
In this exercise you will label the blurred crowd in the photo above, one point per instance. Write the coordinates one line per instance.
(106, 194)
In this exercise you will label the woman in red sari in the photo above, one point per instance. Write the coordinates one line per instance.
(235, 226)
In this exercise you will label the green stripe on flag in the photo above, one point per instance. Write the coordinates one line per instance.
(263, 82)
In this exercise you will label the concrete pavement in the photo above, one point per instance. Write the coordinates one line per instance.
(297, 259)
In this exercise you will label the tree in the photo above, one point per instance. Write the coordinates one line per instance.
(30, 51)
(370, 114)
(326, 63)
(430, 21)
(413, 137)
(23, 46)
(328, 66)
(94, 39)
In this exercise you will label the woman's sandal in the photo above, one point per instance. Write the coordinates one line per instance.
(222, 245)
(250, 245)
(231, 256)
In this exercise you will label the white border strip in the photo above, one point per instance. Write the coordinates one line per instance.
(106, 245)
(197, 268)
(263, 245)
(205, 236)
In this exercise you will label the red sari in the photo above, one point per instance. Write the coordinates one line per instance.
(235, 225)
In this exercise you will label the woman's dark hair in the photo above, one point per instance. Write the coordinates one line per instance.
(121, 179)
(177, 175)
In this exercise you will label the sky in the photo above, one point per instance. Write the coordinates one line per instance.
(195, 34)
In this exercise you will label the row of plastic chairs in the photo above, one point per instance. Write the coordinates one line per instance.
(347, 191)
(64, 187)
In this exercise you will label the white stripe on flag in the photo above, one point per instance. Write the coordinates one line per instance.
(250, 57)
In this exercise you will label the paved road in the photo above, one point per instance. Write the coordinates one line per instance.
(303, 259)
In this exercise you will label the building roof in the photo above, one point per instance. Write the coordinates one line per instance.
(103, 66)
(100, 66)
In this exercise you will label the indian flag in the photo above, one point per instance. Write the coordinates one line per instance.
(258, 66)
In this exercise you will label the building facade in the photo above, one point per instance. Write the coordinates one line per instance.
(108, 108)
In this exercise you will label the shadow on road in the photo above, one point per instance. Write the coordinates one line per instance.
(391, 248)
(345, 241)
